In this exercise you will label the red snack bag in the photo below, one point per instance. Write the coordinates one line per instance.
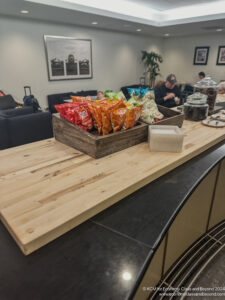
(84, 116)
(76, 113)
(157, 120)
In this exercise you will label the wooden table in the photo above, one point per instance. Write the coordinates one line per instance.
(47, 188)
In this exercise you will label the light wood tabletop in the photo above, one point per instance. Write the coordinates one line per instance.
(47, 188)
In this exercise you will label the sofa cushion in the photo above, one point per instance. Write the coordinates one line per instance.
(10, 113)
(7, 102)
(136, 91)
(86, 93)
(4, 136)
(57, 99)
(29, 128)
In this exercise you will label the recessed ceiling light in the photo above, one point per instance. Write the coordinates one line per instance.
(166, 34)
(94, 23)
(139, 29)
(24, 11)
(219, 29)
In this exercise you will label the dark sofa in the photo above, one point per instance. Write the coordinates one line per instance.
(22, 126)
(55, 99)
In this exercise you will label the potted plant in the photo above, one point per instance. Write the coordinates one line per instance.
(151, 61)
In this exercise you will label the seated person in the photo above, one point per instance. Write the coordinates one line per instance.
(201, 75)
(221, 93)
(168, 94)
(100, 95)
(158, 83)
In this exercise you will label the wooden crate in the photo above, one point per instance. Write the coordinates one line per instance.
(172, 117)
(93, 144)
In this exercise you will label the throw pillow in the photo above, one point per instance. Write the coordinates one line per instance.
(144, 91)
(131, 90)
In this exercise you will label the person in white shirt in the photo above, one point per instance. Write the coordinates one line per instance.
(221, 93)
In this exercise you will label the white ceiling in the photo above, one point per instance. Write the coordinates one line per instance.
(58, 11)
(163, 5)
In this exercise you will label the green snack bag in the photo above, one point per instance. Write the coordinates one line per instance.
(108, 93)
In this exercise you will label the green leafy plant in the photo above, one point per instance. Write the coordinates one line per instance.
(151, 61)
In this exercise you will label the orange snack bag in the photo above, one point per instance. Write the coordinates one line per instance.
(107, 109)
(118, 104)
(106, 120)
(80, 98)
(118, 117)
(132, 116)
(99, 115)
(103, 101)
(96, 113)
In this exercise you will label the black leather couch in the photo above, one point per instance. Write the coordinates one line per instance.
(55, 99)
(22, 126)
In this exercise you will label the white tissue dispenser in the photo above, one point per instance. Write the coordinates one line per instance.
(165, 138)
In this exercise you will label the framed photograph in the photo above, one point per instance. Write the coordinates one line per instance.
(201, 55)
(68, 58)
(221, 56)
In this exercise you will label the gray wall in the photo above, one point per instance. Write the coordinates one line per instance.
(178, 56)
(116, 58)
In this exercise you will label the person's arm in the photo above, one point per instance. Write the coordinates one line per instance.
(162, 99)
(178, 94)
(159, 96)
(169, 103)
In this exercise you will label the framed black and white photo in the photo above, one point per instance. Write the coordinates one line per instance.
(221, 56)
(201, 55)
(68, 58)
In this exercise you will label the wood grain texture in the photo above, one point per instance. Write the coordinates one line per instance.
(172, 117)
(47, 188)
(94, 145)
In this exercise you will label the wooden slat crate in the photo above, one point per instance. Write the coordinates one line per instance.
(93, 144)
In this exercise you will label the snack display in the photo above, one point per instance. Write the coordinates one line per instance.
(105, 115)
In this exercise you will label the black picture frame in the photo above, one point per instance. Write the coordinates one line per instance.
(67, 61)
(221, 51)
(201, 55)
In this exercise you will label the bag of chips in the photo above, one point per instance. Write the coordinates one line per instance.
(77, 113)
(106, 119)
(107, 109)
(132, 116)
(96, 114)
(80, 98)
(118, 117)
